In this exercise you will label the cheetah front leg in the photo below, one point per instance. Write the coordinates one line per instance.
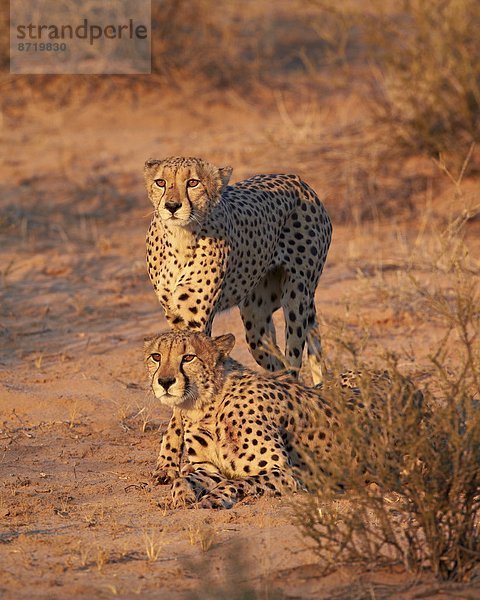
(194, 483)
(198, 288)
(207, 489)
(168, 462)
(275, 482)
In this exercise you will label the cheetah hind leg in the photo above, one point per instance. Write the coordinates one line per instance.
(256, 312)
(301, 328)
(314, 353)
(297, 309)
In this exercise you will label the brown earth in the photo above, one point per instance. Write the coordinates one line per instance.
(79, 430)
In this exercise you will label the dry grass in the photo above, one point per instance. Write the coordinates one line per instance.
(414, 70)
(420, 66)
(423, 510)
(153, 545)
(203, 535)
(423, 75)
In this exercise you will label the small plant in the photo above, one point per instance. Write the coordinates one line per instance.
(102, 557)
(112, 589)
(93, 515)
(5, 272)
(38, 361)
(83, 554)
(202, 535)
(142, 415)
(153, 546)
(73, 414)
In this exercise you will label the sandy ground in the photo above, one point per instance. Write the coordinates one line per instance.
(79, 431)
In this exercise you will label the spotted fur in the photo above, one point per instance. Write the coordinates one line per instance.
(260, 244)
(242, 432)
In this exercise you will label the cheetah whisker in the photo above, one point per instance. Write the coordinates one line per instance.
(195, 217)
(190, 395)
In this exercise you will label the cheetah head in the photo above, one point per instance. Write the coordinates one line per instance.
(184, 190)
(186, 368)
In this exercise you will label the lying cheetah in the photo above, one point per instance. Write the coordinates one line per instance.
(242, 432)
(259, 244)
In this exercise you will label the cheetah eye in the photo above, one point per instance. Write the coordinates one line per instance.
(188, 358)
(156, 357)
(160, 183)
(192, 182)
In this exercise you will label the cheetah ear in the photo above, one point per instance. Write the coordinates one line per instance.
(225, 174)
(148, 342)
(224, 344)
(152, 162)
(214, 179)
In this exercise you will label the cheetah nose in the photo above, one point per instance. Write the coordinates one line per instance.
(173, 206)
(166, 382)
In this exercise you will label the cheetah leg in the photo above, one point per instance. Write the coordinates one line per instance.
(258, 329)
(208, 488)
(168, 462)
(182, 493)
(194, 483)
(314, 348)
(188, 489)
(295, 312)
(230, 491)
(256, 312)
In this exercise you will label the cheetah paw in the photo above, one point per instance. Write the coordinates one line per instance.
(216, 502)
(182, 493)
(164, 474)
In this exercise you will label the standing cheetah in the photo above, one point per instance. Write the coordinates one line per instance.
(259, 244)
(248, 433)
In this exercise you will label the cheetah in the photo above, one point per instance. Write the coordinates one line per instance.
(260, 244)
(242, 433)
